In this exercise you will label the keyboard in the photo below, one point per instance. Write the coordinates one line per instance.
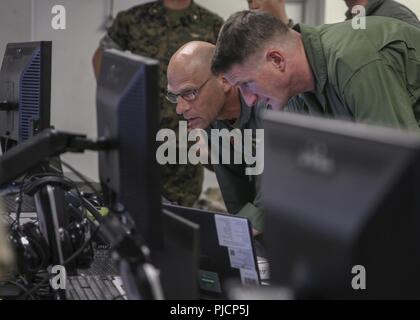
(10, 205)
(25, 217)
(89, 287)
(98, 282)
(102, 264)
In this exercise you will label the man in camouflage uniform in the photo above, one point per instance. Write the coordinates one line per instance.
(157, 30)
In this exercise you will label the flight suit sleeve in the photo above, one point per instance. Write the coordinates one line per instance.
(377, 94)
(296, 105)
(254, 212)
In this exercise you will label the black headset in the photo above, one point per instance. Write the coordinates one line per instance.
(31, 247)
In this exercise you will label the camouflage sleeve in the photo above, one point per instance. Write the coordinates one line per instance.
(117, 35)
(107, 43)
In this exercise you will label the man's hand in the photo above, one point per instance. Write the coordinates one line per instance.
(256, 232)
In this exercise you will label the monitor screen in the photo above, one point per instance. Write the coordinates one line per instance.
(340, 196)
(179, 263)
(128, 118)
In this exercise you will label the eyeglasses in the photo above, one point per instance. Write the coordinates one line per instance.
(189, 95)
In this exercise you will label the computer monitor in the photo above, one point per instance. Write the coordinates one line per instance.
(179, 263)
(128, 118)
(25, 84)
(227, 253)
(343, 208)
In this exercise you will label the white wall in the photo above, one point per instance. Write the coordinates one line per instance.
(73, 84)
(225, 8)
(334, 11)
(15, 22)
(414, 5)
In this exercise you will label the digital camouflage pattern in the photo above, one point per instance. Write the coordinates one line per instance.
(154, 31)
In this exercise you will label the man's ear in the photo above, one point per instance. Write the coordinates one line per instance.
(225, 84)
(277, 59)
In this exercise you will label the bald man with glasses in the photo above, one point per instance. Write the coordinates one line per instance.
(209, 102)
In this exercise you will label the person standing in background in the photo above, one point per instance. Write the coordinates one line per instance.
(275, 7)
(157, 30)
(382, 8)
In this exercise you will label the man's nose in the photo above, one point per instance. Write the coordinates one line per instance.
(182, 106)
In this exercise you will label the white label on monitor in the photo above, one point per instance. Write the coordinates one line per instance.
(264, 268)
(249, 277)
(233, 232)
(241, 258)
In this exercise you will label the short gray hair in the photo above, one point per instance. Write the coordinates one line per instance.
(242, 35)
